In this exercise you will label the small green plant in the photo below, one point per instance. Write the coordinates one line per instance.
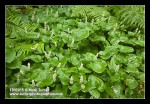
(76, 52)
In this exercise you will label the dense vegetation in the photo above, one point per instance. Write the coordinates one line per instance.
(79, 51)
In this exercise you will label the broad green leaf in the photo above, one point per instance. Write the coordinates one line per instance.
(64, 90)
(125, 48)
(80, 34)
(83, 25)
(73, 69)
(88, 86)
(44, 78)
(131, 82)
(14, 64)
(36, 58)
(76, 77)
(98, 38)
(45, 38)
(98, 66)
(112, 64)
(65, 37)
(75, 59)
(24, 68)
(10, 55)
(115, 77)
(108, 52)
(63, 61)
(123, 74)
(132, 69)
(43, 75)
(89, 57)
(44, 83)
(94, 93)
(74, 88)
(118, 89)
(63, 76)
(46, 65)
(84, 70)
(110, 90)
(115, 90)
(141, 77)
(96, 82)
(128, 92)
(53, 61)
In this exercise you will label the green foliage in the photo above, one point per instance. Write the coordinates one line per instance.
(75, 51)
(133, 15)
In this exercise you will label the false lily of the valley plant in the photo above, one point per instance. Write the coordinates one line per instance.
(78, 51)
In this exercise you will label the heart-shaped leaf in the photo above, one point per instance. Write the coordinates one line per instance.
(75, 59)
(98, 66)
(80, 34)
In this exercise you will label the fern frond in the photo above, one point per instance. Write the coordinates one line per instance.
(89, 11)
(130, 15)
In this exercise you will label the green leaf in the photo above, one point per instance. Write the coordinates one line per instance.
(10, 55)
(131, 82)
(73, 69)
(14, 64)
(46, 65)
(84, 70)
(36, 58)
(63, 76)
(98, 38)
(44, 78)
(74, 88)
(44, 74)
(115, 77)
(63, 61)
(141, 77)
(65, 37)
(64, 90)
(76, 77)
(109, 90)
(115, 90)
(98, 66)
(45, 39)
(125, 48)
(44, 83)
(89, 57)
(140, 43)
(132, 69)
(108, 52)
(112, 64)
(53, 61)
(24, 68)
(75, 59)
(95, 82)
(94, 93)
(128, 92)
(80, 34)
